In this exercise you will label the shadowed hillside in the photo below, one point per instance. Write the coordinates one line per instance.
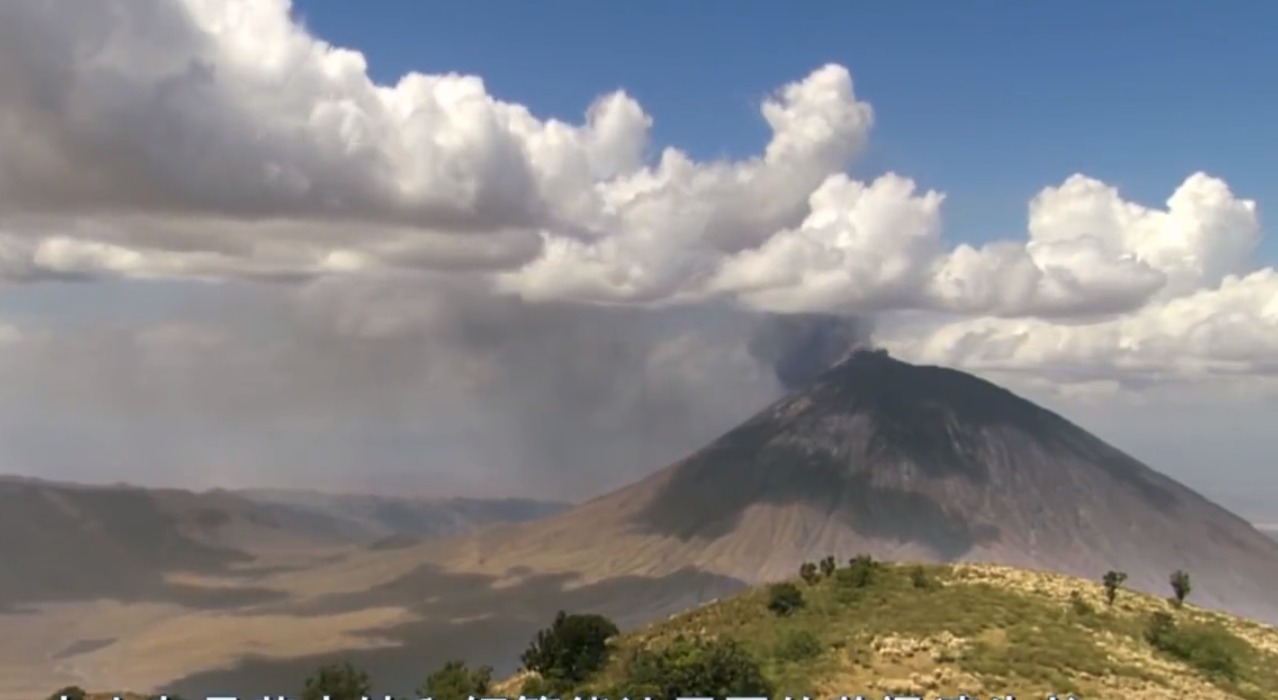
(131, 538)
(62, 542)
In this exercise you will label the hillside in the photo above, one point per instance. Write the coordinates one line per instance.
(126, 585)
(903, 462)
(133, 538)
(976, 629)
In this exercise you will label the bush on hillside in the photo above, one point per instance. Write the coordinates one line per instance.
(809, 573)
(1208, 648)
(784, 598)
(860, 572)
(828, 565)
(1112, 581)
(454, 681)
(686, 668)
(1181, 587)
(572, 648)
(798, 645)
(920, 580)
(336, 681)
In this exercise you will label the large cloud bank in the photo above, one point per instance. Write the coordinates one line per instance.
(219, 140)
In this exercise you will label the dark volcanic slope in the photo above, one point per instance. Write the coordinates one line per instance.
(906, 462)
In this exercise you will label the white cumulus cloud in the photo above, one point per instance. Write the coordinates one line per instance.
(218, 140)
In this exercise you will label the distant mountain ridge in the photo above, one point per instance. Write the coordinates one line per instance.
(132, 538)
(373, 517)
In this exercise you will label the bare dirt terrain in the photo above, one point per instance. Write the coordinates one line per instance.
(134, 588)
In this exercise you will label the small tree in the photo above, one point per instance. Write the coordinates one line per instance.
(919, 578)
(572, 648)
(784, 598)
(809, 573)
(828, 566)
(1112, 580)
(860, 572)
(1180, 587)
(338, 682)
(454, 681)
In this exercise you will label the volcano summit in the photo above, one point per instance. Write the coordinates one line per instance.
(902, 462)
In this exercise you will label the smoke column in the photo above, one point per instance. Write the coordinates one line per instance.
(798, 347)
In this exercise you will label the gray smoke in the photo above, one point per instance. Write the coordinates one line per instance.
(397, 387)
(387, 387)
(799, 347)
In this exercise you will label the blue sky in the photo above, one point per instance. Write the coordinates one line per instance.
(987, 101)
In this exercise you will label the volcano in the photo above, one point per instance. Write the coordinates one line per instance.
(902, 462)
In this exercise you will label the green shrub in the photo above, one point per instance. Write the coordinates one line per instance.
(1181, 587)
(784, 598)
(828, 566)
(809, 573)
(1112, 581)
(799, 645)
(337, 681)
(454, 681)
(920, 580)
(685, 668)
(1211, 649)
(860, 573)
(571, 649)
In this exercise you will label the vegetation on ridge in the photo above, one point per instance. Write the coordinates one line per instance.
(874, 628)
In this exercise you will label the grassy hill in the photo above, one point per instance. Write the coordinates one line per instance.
(980, 630)
(872, 628)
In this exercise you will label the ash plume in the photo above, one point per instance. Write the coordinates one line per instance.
(798, 347)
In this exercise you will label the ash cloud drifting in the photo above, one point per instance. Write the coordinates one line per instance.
(401, 387)
(434, 387)
(798, 347)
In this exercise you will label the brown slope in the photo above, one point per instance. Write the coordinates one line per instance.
(64, 542)
(378, 518)
(903, 462)
(76, 542)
